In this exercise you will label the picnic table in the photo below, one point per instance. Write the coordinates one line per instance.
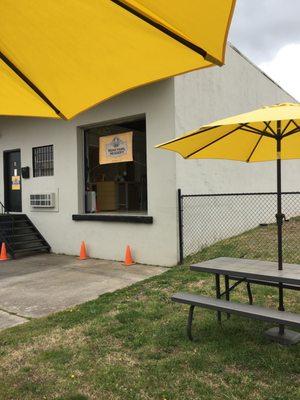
(248, 271)
(251, 269)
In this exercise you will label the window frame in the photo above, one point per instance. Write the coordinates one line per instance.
(105, 215)
(35, 169)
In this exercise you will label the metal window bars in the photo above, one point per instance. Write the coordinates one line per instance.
(43, 162)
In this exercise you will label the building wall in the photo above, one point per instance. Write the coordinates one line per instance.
(208, 95)
(153, 244)
(205, 96)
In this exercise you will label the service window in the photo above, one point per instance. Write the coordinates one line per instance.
(115, 168)
(42, 160)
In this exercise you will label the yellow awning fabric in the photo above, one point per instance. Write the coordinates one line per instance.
(248, 137)
(63, 57)
(17, 98)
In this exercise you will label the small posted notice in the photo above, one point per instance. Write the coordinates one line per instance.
(15, 182)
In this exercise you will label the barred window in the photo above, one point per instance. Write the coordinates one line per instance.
(43, 161)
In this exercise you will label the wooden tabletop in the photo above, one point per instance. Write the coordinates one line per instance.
(255, 269)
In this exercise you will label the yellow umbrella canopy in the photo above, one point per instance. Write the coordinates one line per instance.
(59, 58)
(249, 137)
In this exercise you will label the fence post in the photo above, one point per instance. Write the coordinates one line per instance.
(180, 227)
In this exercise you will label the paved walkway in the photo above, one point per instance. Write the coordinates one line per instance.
(37, 286)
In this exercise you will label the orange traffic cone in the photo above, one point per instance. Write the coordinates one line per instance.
(83, 255)
(3, 254)
(128, 257)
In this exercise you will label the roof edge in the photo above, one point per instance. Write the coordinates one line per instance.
(259, 69)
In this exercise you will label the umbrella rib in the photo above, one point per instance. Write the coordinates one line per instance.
(287, 125)
(254, 130)
(24, 78)
(169, 33)
(254, 148)
(268, 126)
(297, 126)
(257, 132)
(188, 136)
(213, 142)
(295, 130)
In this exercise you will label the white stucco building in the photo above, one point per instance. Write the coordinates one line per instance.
(109, 206)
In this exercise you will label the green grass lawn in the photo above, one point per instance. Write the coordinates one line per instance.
(132, 344)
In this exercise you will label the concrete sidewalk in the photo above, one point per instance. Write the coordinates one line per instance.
(37, 286)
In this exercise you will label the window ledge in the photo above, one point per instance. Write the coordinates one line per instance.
(140, 219)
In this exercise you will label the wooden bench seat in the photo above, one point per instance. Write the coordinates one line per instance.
(246, 310)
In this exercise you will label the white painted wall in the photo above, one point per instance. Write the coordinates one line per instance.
(208, 95)
(152, 244)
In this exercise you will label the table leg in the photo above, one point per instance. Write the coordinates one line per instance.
(250, 297)
(190, 321)
(227, 294)
(218, 295)
(281, 307)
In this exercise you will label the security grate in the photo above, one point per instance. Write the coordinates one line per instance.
(43, 164)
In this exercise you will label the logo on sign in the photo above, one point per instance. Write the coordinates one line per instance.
(116, 148)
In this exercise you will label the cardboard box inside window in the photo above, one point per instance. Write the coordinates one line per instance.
(107, 196)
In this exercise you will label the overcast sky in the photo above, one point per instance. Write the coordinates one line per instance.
(268, 33)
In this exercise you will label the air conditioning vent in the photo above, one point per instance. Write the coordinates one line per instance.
(42, 200)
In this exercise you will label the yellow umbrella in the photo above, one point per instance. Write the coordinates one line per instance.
(59, 58)
(246, 137)
(270, 133)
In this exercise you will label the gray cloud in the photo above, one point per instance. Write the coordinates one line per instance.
(261, 27)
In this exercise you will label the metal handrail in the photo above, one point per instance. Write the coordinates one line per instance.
(3, 208)
(5, 211)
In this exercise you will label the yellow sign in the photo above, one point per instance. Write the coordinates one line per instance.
(15, 182)
(115, 148)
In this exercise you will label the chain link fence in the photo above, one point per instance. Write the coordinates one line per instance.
(239, 225)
